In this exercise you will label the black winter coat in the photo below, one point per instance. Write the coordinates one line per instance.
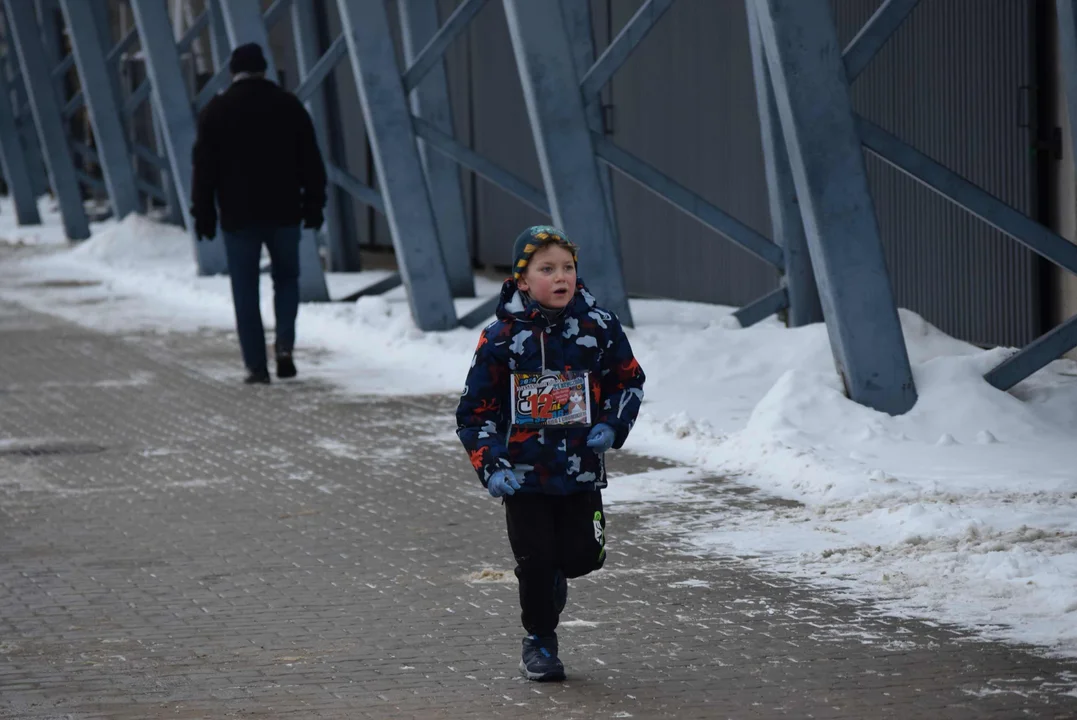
(257, 155)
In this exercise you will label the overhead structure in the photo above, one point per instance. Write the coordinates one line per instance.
(826, 248)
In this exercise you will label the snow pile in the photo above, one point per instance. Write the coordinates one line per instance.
(961, 509)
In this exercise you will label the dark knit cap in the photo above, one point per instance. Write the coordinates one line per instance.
(247, 59)
(534, 238)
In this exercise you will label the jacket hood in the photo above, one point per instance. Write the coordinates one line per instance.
(513, 306)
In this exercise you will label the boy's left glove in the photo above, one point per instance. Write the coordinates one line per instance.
(601, 437)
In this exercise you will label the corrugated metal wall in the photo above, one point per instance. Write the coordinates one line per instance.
(949, 82)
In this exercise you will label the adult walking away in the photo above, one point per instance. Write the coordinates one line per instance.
(257, 159)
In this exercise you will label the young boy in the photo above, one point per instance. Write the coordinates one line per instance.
(531, 439)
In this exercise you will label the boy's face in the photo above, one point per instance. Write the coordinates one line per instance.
(550, 277)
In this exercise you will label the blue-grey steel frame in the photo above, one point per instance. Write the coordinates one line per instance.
(24, 120)
(798, 278)
(41, 91)
(815, 108)
(14, 161)
(580, 31)
(305, 38)
(430, 100)
(396, 158)
(563, 140)
(101, 104)
(173, 104)
(243, 23)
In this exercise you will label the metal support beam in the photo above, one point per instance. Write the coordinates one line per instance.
(758, 310)
(1035, 356)
(430, 100)
(275, 13)
(140, 95)
(622, 46)
(396, 159)
(876, 31)
(355, 187)
(23, 28)
(787, 228)
(313, 77)
(581, 37)
(816, 114)
(390, 282)
(101, 102)
(431, 54)
(563, 143)
(24, 121)
(480, 314)
(174, 107)
(970, 197)
(472, 160)
(47, 15)
(244, 23)
(691, 203)
(175, 205)
(218, 36)
(14, 161)
(305, 34)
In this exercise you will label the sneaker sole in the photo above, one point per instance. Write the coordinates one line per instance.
(541, 677)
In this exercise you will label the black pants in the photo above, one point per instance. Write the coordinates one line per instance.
(244, 249)
(550, 533)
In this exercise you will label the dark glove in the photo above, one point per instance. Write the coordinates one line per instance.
(205, 225)
(313, 219)
(502, 482)
(601, 437)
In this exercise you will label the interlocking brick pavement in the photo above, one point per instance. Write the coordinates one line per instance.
(174, 544)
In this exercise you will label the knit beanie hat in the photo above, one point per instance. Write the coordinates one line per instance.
(534, 238)
(247, 59)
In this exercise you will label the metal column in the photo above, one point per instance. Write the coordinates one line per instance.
(565, 151)
(14, 160)
(244, 24)
(396, 158)
(581, 36)
(101, 104)
(430, 101)
(831, 182)
(307, 53)
(218, 36)
(173, 105)
(787, 227)
(47, 117)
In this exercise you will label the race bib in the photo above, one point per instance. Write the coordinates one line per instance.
(551, 398)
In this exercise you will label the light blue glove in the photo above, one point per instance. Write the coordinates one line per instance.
(601, 437)
(502, 482)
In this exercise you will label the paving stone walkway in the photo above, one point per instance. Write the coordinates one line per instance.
(174, 544)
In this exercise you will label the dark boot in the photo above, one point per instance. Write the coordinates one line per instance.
(539, 661)
(258, 377)
(285, 364)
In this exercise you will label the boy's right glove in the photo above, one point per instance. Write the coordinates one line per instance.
(502, 482)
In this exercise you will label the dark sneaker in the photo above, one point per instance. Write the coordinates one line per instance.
(539, 660)
(258, 377)
(560, 591)
(285, 365)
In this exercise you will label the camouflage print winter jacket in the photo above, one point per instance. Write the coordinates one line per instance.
(552, 460)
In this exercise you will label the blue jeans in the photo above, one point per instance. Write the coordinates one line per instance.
(244, 250)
